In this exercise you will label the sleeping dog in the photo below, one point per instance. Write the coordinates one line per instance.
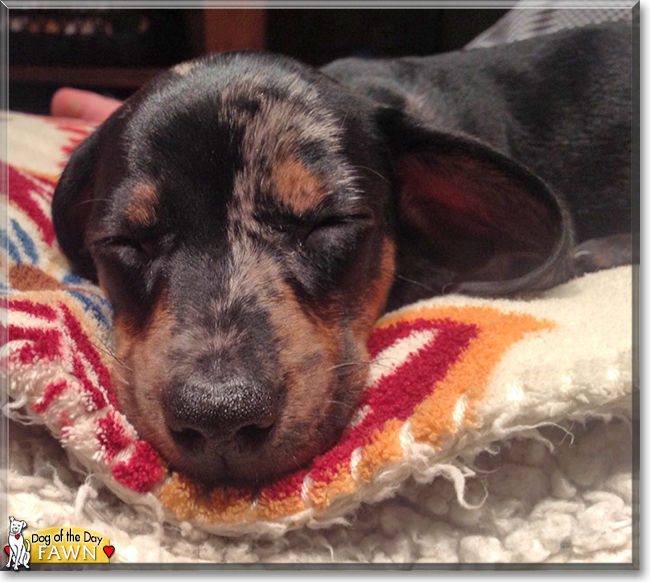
(250, 218)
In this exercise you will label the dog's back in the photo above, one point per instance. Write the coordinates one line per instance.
(558, 104)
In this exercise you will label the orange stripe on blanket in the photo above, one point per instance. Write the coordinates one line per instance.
(188, 500)
(385, 448)
(456, 396)
(284, 497)
(336, 482)
(268, 509)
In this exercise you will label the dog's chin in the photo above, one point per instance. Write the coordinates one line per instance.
(221, 474)
(268, 466)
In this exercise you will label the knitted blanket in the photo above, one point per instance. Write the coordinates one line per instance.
(458, 387)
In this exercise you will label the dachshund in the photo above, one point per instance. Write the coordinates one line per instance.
(250, 218)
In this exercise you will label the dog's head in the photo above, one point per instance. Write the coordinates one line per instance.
(242, 213)
(16, 526)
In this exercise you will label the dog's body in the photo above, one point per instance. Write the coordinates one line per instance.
(559, 105)
(250, 218)
(18, 546)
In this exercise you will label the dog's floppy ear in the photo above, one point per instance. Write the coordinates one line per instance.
(471, 219)
(72, 205)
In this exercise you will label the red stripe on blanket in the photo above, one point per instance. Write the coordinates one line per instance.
(44, 344)
(73, 142)
(21, 191)
(90, 353)
(44, 184)
(284, 488)
(96, 400)
(35, 309)
(142, 471)
(80, 128)
(52, 390)
(386, 337)
(112, 435)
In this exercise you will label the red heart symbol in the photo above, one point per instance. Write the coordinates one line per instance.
(17, 536)
(108, 550)
(7, 549)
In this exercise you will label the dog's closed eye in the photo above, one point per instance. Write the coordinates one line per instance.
(132, 249)
(317, 226)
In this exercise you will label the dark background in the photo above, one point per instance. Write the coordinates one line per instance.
(114, 52)
(320, 36)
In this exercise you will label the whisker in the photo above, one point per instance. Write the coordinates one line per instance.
(344, 364)
(374, 172)
(344, 118)
(341, 403)
(93, 200)
(416, 283)
(112, 355)
(375, 362)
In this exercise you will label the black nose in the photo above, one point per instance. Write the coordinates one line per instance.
(209, 416)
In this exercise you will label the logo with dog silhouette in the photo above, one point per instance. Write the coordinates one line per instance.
(18, 548)
(56, 545)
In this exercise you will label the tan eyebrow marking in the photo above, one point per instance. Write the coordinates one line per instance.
(297, 186)
(142, 205)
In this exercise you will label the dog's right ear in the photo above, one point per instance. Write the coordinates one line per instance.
(72, 205)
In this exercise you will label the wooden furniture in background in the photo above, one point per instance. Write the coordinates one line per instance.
(234, 30)
(206, 31)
